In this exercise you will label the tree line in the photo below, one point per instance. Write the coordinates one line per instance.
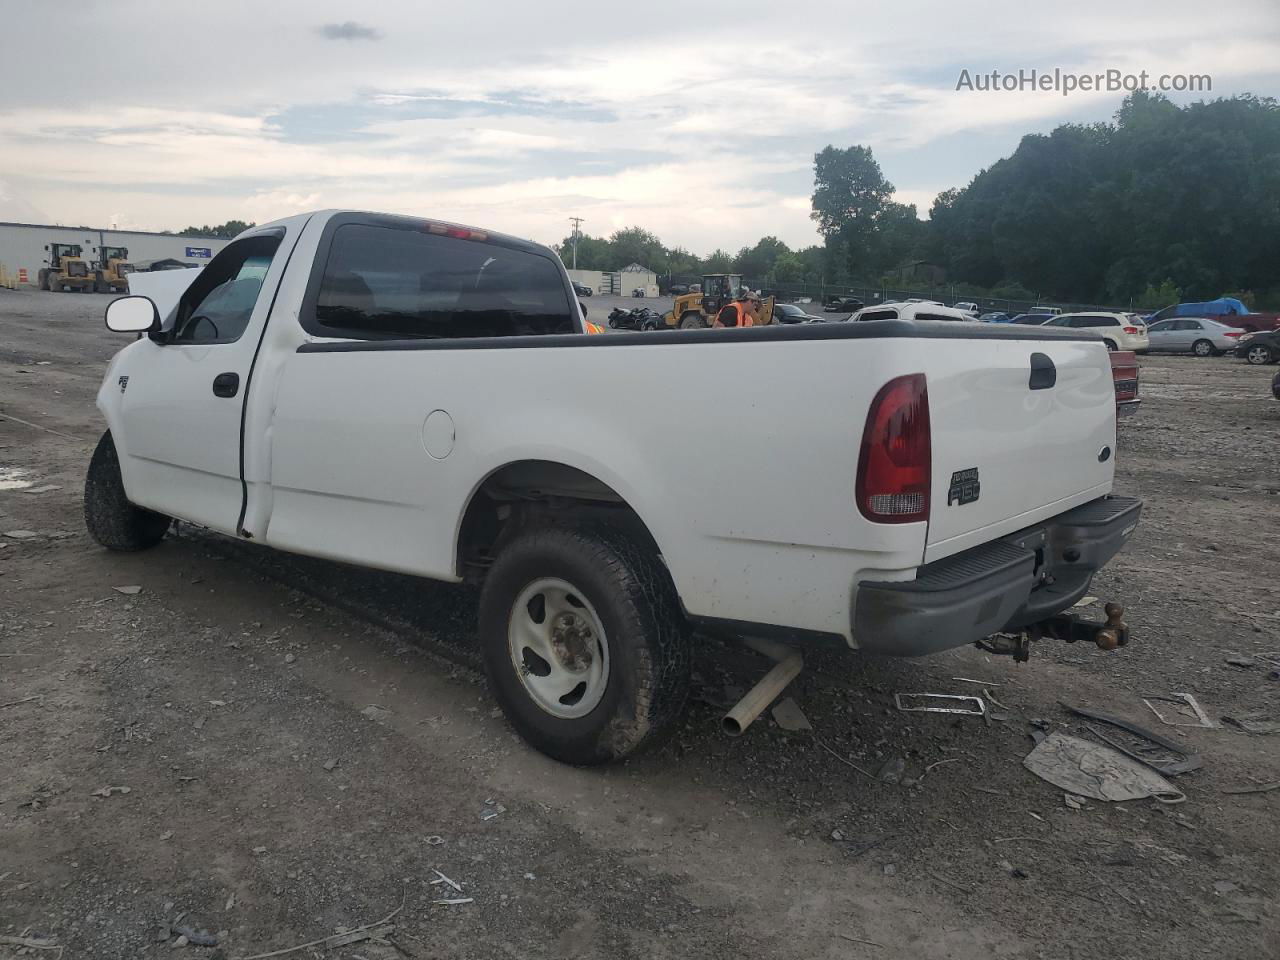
(1161, 204)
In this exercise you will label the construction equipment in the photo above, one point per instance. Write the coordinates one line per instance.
(67, 269)
(700, 307)
(112, 275)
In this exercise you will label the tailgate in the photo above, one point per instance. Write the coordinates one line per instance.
(1021, 430)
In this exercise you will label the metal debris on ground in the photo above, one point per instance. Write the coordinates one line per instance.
(201, 938)
(455, 900)
(375, 713)
(1245, 662)
(1093, 770)
(1074, 802)
(1256, 788)
(1181, 761)
(21, 534)
(378, 930)
(330, 764)
(788, 715)
(433, 840)
(132, 590)
(983, 683)
(441, 878)
(47, 488)
(1186, 711)
(1254, 723)
(108, 791)
(489, 812)
(940, 703)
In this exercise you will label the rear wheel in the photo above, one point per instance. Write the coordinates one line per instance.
(1203, 348)
(584, 643)
(1258, 354)
(1111, 345)
(112, 520)
(692, 321)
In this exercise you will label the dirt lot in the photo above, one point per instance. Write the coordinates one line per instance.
(295, 735)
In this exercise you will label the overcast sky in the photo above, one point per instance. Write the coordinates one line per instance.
(696, 120)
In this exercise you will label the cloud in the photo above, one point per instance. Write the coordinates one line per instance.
(348, 30)
(707, 141)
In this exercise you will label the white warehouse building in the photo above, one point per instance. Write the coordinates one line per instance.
(25, 247)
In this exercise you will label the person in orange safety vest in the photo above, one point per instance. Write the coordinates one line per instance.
(742, 312)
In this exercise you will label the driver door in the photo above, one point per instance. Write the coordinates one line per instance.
(184, 398)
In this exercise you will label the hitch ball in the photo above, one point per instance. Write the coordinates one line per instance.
(1115, 633)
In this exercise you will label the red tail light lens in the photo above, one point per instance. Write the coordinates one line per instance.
(895, 462)
(1130, 329)
(1232, 333)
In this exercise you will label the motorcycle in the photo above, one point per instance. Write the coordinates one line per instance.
(638, 318)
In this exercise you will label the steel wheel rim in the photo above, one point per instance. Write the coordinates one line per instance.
(558, 648)
(1258, 355)
(1202, 349)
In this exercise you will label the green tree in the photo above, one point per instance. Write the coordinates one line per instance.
(720, 261)
(850, 194)
(229, 229)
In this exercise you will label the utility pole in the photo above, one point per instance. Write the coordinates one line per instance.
(577, 223)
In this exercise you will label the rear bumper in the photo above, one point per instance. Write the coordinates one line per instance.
(1002, 585)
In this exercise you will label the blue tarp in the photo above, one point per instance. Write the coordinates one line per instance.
(1223, 306)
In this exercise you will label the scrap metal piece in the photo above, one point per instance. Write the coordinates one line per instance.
(963, 705)
(1183, 699)
(1087, 769)
(1189, 761)
(789, 663)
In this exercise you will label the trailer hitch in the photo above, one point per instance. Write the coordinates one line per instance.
(1107, 635)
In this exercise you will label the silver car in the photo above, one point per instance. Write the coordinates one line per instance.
(1198, 335)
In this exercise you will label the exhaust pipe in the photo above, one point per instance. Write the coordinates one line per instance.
(789, 663)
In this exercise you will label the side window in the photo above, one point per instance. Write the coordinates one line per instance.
(1160, 327)
(1192, 325)
(386, 282)
(887, 314)
(217, 306)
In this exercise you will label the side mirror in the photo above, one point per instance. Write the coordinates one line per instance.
(133, 315)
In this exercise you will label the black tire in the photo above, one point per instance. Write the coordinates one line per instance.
(1203, 348)
(692, 321)
(1111, 345)
(646, 634)
(1258, 354)
(112, 520)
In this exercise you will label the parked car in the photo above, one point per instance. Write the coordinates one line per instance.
(581, 289)
(843, 305)
(968, 306)
(912, 310)
(1198, 335)
(1117, 332)
(1033, 319)
(678, 289)
(315, 392)
(790, 313)
(1259, 348)
(996, 317)
(1226, 310)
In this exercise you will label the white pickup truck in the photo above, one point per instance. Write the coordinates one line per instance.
(420, 397)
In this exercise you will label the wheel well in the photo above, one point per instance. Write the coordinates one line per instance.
(537, 491)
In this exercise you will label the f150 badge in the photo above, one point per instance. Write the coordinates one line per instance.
(964, 487)
(124, 383)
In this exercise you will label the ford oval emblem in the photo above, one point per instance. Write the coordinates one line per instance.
(1104, 454)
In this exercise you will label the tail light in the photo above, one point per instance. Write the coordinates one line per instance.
(1232, 333)
(1130, 329)
(895, 461)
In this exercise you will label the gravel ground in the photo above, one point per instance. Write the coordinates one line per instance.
(295, 737)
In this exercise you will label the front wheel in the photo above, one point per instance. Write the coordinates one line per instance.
(112, 520)
(692, 321)
(1202, 348)
(1258, 355)
(584, 643)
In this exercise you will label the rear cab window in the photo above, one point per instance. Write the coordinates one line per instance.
(396, 280)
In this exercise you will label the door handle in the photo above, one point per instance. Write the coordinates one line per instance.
(226, 384)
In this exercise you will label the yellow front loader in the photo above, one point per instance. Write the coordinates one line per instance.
(699, 308)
